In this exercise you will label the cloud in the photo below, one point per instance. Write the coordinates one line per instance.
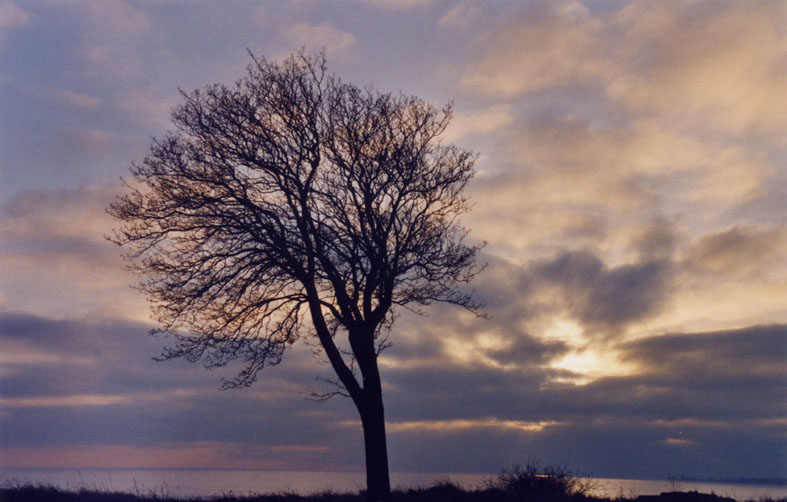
(76, 99)
(187, 455)
(38, 215)
(657, 240)
(90, 399)
(55, 258)
(644, 147)
(564, 181)
(114, 32)
(722, 65)
(464, 425)
(402, 4)
(91, 385)
(738, 250)
(719, 390)
(76, 362)
(559, 316)
(719, 67)
(118, 18)
(459, 16)
(481, 122)
(567, 182)
(535, 213)
(646, 163)
(316, 37)
(715, 375)
(754, 349)
(547, 44)
(733, 178)
(553, 320)
(12, 16)
(610, 297)
(727, 277)
(148, 107)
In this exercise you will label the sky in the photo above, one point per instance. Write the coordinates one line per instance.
(631, 186)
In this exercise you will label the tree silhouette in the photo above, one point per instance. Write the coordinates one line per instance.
(293, 196)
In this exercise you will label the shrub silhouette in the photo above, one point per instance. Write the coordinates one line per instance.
(533, 483)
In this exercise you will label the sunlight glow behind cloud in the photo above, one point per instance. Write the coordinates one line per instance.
(460, 425)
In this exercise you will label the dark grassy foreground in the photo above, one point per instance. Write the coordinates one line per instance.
(521, 484)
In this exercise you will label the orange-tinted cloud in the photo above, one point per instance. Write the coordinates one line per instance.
(56, 260)
(721, 66)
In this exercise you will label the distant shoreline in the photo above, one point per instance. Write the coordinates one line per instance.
(736, 481)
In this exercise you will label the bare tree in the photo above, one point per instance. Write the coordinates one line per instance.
(293, 196)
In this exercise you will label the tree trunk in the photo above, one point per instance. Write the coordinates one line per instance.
(368, 399)
(378, 485)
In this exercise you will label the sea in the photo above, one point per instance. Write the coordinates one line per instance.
(208, 482)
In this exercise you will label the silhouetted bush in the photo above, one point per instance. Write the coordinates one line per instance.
(533, 483)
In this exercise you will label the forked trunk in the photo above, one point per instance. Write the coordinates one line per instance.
(378, 485)
(368, 399)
